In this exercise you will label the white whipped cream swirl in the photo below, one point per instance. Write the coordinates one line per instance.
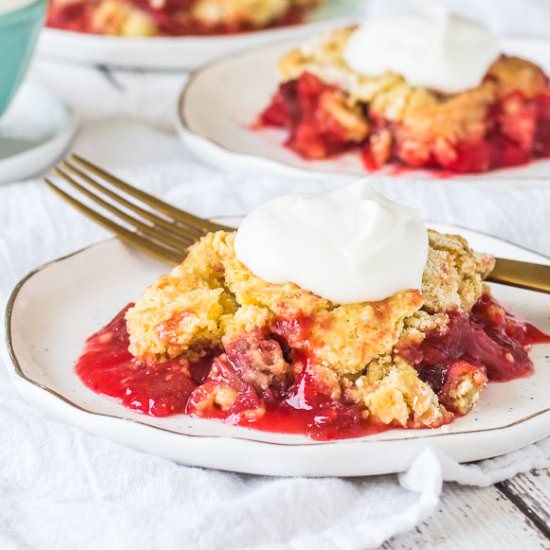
(431, 49)
(350, 245)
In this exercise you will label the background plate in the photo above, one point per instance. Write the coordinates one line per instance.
(179, 52)
(35, 132)
(217, 127)
(55, 308)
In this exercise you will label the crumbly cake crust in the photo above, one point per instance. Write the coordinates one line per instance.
(212, 301)
(392, 97)
(454, 274)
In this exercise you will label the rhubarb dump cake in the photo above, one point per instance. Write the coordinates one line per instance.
(174, 17)
(212, 339)
(424, 91)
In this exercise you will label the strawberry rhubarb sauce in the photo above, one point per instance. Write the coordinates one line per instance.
(489, 344)
(516, 131)
(167, 18)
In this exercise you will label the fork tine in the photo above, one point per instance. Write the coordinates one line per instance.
(159, 235)
(145, 245)
(201, 225)
(170, 226)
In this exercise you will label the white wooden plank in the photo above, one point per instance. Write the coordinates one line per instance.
(530, 492)
(473, 518)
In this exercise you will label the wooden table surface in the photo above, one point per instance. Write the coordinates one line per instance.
(513, 514)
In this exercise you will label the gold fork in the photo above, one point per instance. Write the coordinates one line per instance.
(166, 232)
(162, 231)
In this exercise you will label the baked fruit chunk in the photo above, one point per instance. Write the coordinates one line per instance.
(213, 340)
(174, 17)
(327, 109)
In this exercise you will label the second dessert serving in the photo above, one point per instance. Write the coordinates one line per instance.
(427, 90)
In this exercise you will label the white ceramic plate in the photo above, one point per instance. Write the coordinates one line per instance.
(34, 133)
(179, 52)
(54, 309)
(216, 127)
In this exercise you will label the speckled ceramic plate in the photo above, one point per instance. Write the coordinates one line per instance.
(52, 311)
(218, 128)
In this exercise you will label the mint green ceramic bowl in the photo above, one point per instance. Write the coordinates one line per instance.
(19, 31)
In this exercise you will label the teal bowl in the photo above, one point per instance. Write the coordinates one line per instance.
(19, 31)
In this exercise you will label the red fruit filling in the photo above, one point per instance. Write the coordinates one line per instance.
(299, 107)
(260, 380)
(107, 367)
(170, 19)
(517, 130)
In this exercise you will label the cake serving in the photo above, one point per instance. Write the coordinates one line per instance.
(413, 348)
(427, 90)
(174, 17)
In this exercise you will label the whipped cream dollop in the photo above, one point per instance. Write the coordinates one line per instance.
(7, 6)
(432, 49)
(350, 245)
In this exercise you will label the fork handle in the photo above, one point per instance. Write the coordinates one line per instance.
(521, 274)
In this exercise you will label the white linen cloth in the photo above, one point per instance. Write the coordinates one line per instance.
(62, 488)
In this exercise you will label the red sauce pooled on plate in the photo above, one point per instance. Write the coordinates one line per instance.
(490, 340)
